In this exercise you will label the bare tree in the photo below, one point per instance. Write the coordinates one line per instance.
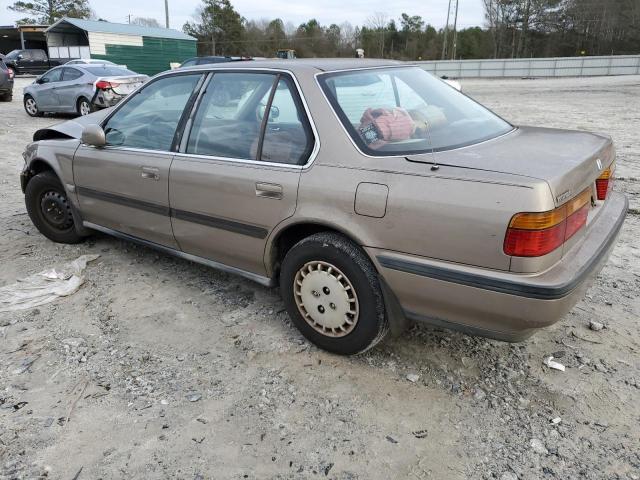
(378, 22)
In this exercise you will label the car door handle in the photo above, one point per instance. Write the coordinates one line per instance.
(268, 190)
(150, 173)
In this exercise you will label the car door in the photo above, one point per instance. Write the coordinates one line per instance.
(68, 89)
(124, 185)
(45, 94)
(25, 62)
(225, 195)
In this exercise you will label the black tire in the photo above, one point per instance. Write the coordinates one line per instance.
(84, 107)
(6, 97)
(27, 108)
(50, 209)
(324, 250)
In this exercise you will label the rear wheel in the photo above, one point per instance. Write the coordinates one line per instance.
(84, 107)
(31, 107)
(50, 209)
(333, 295)
(6, 97)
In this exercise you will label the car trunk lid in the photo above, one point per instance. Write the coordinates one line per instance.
(123, 85)
(569, 161)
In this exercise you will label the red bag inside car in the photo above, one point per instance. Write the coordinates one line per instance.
(383, 125)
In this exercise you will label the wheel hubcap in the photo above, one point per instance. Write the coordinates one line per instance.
(31, 106)
(326, 299)
(84, 108)
(56, 210)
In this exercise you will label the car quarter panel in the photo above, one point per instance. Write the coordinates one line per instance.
(450, 214)
(501, 305)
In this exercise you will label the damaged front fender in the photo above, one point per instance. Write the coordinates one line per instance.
(71, 128)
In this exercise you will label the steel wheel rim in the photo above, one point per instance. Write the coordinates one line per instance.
(326, 299)
(84, 108)
(56, 210)
(32, 108)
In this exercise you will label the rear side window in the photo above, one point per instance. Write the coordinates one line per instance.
(149, 119)
(71, 74)
(287, 136)
(227, 123)
(39, 55)
(240, 109)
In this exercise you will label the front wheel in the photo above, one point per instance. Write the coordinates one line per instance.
(31, 107)
(333, 295)
(49, 208)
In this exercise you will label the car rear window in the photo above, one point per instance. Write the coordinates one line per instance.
(107, 71)
(405, 111)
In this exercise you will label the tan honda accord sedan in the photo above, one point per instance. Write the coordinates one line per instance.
(370, 192)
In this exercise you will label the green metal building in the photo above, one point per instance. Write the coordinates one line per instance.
(142, 49)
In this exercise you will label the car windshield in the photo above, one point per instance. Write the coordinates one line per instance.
(405, 111)
(107, 71)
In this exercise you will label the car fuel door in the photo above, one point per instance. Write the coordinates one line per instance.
(226, 196)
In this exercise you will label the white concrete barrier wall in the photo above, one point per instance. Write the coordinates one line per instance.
(536, 67)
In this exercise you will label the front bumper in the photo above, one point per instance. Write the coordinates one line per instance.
(502, 305)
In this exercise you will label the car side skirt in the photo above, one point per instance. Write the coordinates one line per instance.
(265, 281)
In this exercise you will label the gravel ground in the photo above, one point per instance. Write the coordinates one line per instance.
(160, 368)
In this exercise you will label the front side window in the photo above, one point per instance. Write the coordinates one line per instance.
(150, 118)
(229, 116)
(52, 76)
(405, 111)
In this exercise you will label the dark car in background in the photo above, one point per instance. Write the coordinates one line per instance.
(211, 59)
(80, 89)
(6, 82)
(34, 61)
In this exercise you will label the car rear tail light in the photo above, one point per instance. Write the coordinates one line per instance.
(537, 234)
(11, 73)
(604, 182)
(104, 85)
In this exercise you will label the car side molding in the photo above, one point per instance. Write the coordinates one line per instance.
(262, 280)
(220, 223)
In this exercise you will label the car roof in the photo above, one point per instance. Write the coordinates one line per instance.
(299, 64)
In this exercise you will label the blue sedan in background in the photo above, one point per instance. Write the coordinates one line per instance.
(80, 89)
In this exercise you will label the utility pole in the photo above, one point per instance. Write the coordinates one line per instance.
(455, 33)
(166, 13)
(446, 30)
(129, 17)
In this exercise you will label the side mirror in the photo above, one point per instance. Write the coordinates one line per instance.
(19, 57)
(41, 80)
(94, 135)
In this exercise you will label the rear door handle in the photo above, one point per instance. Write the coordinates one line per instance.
(269, 190)
(150, 173)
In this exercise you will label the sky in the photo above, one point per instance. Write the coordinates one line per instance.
(325, 11)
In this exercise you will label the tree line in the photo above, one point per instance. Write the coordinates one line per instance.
(513, 29)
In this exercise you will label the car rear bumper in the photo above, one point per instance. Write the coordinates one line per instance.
(107, 99)
(6, 86)
(497, 304)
